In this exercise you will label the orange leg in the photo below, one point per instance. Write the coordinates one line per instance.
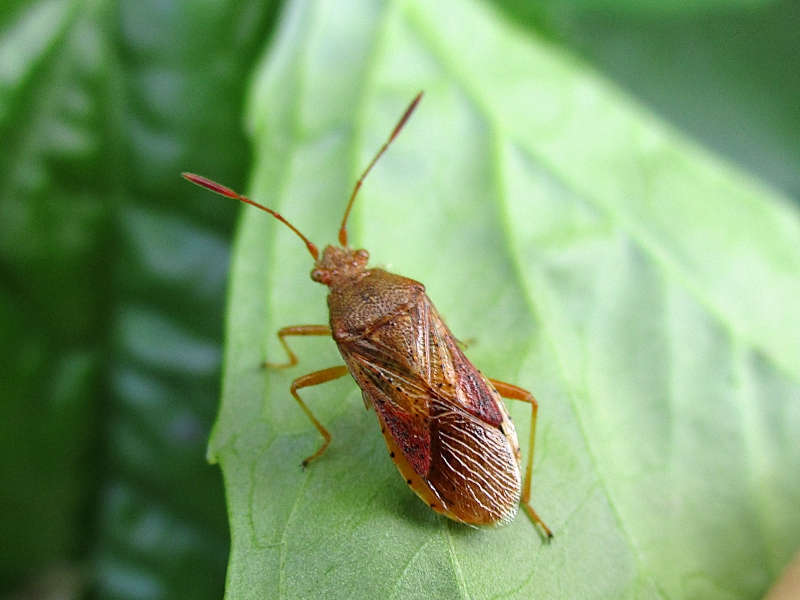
(316, 378)
(295, 330)
(512, 392)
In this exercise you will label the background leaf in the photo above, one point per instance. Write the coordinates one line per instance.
(53, 224)
(600, 259)
(112, 293)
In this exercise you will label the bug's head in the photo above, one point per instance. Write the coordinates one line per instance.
(339, 264)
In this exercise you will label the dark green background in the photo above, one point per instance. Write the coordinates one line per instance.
(113, 269)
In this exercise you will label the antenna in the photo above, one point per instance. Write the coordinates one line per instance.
(226, 191)
(397, 128)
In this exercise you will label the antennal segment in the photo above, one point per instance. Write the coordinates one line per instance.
(397, 128)
(228, 192)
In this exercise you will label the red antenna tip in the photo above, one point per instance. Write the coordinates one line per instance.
(405, 116)
(229, 193)
(211, 185)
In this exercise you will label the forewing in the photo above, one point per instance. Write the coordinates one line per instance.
(402, 403)
(473, 469)
(402, 363)
(406, 363)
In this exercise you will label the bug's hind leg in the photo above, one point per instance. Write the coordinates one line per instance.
(295, 330)
(513, 392)
(316, 378)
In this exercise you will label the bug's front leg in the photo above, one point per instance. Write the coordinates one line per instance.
(295, 330)
(513, 392)
(316, 378)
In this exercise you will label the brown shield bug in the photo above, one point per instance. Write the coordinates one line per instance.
(444, 422)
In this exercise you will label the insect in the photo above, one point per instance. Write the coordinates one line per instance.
(444, 423)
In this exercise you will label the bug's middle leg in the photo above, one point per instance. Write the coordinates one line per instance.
(513, 392)
(316, 378)
(295, 330)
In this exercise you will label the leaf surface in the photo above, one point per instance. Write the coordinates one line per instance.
(641, 288)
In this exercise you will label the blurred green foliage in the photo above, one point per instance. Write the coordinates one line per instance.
(113, 287)
(112, 269)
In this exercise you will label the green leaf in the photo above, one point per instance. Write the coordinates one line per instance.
(112, 275)
(642, 289)
(729, 78)
(53, 218)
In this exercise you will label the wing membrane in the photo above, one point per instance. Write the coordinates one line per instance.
(473, 468)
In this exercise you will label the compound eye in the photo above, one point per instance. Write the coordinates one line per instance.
(319, 275)
(362, 254)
